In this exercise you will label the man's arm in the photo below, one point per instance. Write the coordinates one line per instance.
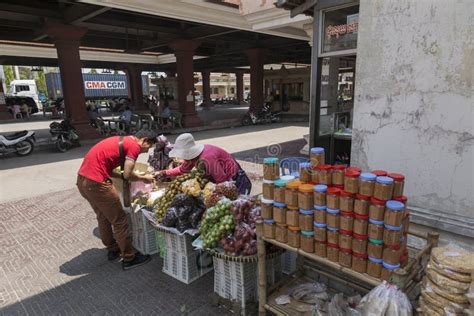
(129, 175)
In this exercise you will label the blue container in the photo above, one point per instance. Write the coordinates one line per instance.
(320, 188)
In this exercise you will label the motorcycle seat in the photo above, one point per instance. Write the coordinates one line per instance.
(16, 135)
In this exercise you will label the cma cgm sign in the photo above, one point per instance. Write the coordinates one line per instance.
(105, 84)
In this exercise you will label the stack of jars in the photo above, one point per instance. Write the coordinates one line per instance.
(271, 172)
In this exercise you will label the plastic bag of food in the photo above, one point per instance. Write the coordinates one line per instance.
(191, 187)
(183, 225)
(339, 306)
(311, 293)
(195, 217)
(171, 218)
(387, 300)
(140, 188)
(228, 189)
(241, 209)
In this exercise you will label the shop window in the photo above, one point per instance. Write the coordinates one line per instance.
(340, 29)
(22, 88)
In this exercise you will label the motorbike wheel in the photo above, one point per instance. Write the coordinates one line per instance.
(61, 145)
(246, 121)
(24, 148)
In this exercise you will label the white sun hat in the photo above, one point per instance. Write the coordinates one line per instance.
(186, 148)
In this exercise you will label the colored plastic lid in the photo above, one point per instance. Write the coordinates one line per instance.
(394, 247)
(268, 181)
(294, 228)
(384, 180)
(395, 205)
(345, 232)
(333, 211)
(317, 150)
(305, 165)
(390, 267)
(333, 229)
(294, 184)
(270, 160)
(306, 212)
(320, 207)
(306, 188)
(307, 232)
(377, 201)
(268, 221)
(390, 227)
(333, 245)
(402, 199)
(279, 204)
(338, 167)
(344, 193)
(396, 176)
(375, 260)
(379, 173)
(319, 225)
(320, 188)
(348, 214)
(375, 222)
(333, 190)
(360, 255)
(323, 167)
(376, 241)
(367, 176)
(352, 173)
(339, 186)
(287, 178)
(265, 201)
(356, 169)
(346, 250)
(362, 197)
(360, 237)
(279, 183)
(362, 217)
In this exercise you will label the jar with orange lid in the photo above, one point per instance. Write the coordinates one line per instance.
(391, 254)
(377, 209)
(367, 183)
(320, 214)
(383, 189)
(387, 270)
(394, 213)
(345, 257)
(375, 248)
(392, 235)
(338, 174)
(267, 189)
(271, 168)
(359, 243)
(332, 217)
(359, 262)
(345, 239)
(305, 196)
(320, 248)
(374, 267)
(317, 156)
(346, 201)
(379, 173)
(306, 219)
(307, 241)
(361, 204)
(279, 212)
(324, 174)
(332, 198)
(291, 193)
(266, 209)
(279, 188)
(361, 224)
(319, 231)
(375, 229)
(292, 216)
(319, 195)
(346, 221)
(281, 233)
(332, 251)
(305, 171)
(398, 183)
(332, 235)
(351, 181)
(269, 228)
(293, 236)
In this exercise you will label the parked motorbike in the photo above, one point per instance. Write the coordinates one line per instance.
(64, 135)
(266, 116)
(21, 143)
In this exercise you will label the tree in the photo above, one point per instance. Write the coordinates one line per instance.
(25, 73)
(9, 76)
(93, 71)
(41, 83)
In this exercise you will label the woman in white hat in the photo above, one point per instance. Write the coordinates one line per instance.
(218, 165)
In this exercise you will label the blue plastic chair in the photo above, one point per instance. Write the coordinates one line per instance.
(291, 165)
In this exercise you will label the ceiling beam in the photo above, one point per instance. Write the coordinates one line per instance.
(77, 14)
(31, 10)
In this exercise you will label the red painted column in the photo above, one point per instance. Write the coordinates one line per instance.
(184, 52)
(239, 82)
(134, 74)
(206, 88)
(67, 40)
(4, 114)
(256, 58)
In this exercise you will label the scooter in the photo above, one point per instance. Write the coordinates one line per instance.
(64, 135)
(21, 143)
(266, 116)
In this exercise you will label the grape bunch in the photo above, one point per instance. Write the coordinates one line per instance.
(242, 241)
(217, 222)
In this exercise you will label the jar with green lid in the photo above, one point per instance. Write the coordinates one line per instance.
(307, 241)
(375, 248)
(267, 209)
(279, 187)
(271, 168)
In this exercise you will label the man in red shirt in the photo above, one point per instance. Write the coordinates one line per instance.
(94, 184)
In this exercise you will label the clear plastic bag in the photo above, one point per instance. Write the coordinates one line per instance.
(339, 306)
(387, 300)
(311, 293)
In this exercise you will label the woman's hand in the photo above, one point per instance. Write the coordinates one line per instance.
(148, 178)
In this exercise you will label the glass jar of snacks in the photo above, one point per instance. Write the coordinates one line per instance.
(352, 168)
(404, 259)
(305, 172)
(387, 270)
(271, 168)
(269, 228)
(267, 190)
(281, 233)
(346, 221)
(267, 209)
(293, 236)
(279, 187)
(361, 224)
(379, 173)
(383, 189)
(359, 243)
(375, 248)
(291, 193)
(345, 257)
(279, 212)
(306, 219)
(332, 235)
(319, 231)
(320, 214)
(320, 248)
(332, 198)
(367, 183)
(359, 262)
(377, 209)
(292, 216)
(307, 241)
(332, 251)
(324, 174)
(392, 235)
(398, 183)
(338, 174)
(332, 217)
(345, 239)
(346, 201)
(317, 156)
(391, 254)
(361, 204)
(375, 229)
(351, 181)
(305, 196)
(319, 195)
(393, 213)
(374, 267)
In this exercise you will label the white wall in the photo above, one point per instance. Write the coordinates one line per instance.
(414, 99)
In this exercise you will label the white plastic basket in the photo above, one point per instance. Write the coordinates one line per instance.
(143, 233)
(178, 243)
(186, 268)
(288, 262)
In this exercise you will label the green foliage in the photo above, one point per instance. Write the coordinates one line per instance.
(41, 83)
(25, 73)
(9, 75)
(93, 71)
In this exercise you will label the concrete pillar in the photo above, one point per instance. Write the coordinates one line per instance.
(239, 82)
(256, 59)
(184, 52)
(135, 86)
(306, 89)
(67, 39)
(4, 114)
(206, 88)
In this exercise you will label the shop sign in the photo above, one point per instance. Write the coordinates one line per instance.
(105, 84)
(340, 29)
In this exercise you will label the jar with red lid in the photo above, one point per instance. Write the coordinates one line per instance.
(361, 224)
(267, 189)
(346, 221)
(351, 181)
(345, 239)
(374, 267)
(375, 248)
(324, 174)
(279, 212)
(398, 183)
(305, 172)
(338, 174)
(332, 235)
(367, 183)
(392, 235)
(359, 243)
(320, 214)
(391, 254)
(353, 168)
(402, 199)
(293, 236)
(379, 173)
(394, 213)
(377, 209)
(319, 231)
(359, 262)
(332, 198)
(307, 241)
(332, 217)
(320, 248)
(281, 233)
(383, 189)
(267, 209)
(332, 251)
(305, 196)
(292, 216)
(361, 204)
(375, 229)
(346, 201)
(317, 156)
(306, 219)
(319, 195)
(345, 257)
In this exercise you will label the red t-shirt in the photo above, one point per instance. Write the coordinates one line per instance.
(104, 157)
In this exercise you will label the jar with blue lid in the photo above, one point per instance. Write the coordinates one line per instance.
(267, 208)
(279, 212)
(387, 270)
(375, 229)
(332, 235)
(306, 220)
(319, 231)
(383, 189)
(320, 194)
(394, 212)
(305, 172)
(317, 156)
(367, 183)
(320, 214)
(392, 235)
(374, 267)
(332, 217)
(307, 241)
(269, 228)
(271, 168)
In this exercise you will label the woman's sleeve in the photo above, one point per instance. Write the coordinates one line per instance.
(185, 167)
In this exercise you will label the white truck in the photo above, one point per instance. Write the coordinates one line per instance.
(25, 88)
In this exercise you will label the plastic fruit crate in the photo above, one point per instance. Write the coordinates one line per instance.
(288, 262)
(178, 243)
(186, 268)
(143, 233)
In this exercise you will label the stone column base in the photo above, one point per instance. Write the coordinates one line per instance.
(85, 131)
(191, 120)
